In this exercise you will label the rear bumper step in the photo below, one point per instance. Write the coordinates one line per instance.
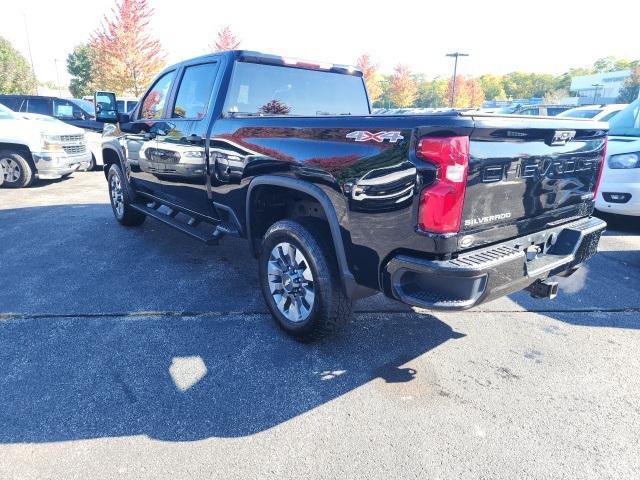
(483, 275)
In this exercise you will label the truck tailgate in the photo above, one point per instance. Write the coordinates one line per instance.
(526, 173)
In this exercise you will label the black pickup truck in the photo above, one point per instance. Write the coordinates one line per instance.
(442, 211)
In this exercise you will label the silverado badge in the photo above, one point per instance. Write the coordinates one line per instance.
(364, 136)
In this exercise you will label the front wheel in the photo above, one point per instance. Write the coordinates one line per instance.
(121, 200)
(89, 166)
(16, 170)
(300, 281)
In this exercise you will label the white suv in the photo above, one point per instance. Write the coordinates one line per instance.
(619, 190)
(36, 146)
(602, 113)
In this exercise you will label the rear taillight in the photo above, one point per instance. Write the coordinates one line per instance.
(604, 159)
(441, 202)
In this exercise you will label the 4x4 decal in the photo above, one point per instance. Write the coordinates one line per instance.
(364, 136)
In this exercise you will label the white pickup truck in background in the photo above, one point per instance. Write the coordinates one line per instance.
(36, 146)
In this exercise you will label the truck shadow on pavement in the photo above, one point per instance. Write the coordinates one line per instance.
(81, 360)
(189, 378)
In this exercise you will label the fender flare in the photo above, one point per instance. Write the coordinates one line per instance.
(107, 165)
(350, 285)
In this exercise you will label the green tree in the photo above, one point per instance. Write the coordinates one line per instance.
(16, 75)
(80, 67)
(526, 85)
(563, 82)
(604, 64)
(492, 87)
(432, 93)
(631, 87)
(611, 64)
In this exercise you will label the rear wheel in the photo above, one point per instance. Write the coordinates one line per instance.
(16, 169)
(300, 281)
(121, 200)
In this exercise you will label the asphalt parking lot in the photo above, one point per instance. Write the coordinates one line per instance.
(141, 353)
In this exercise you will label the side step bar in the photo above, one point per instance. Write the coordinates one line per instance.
(189, 227)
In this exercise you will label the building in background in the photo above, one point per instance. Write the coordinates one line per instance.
(599, 87)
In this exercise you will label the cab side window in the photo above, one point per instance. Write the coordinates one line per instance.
(194, 92)
(39, 105)
(156, 99)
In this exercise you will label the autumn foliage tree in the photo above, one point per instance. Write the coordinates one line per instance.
(371, 76)
(127, 57)
(403, 87)
(469, 92)
(226, 40)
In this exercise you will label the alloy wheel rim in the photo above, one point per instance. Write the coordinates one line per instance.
(11, 170)
(291, 282)
(117, 199)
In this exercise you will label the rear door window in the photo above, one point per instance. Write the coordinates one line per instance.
(553, 111)
(609, 116)
(194, 92)
(530, 111)
(156, 99)
(65, 109)
(277, 90)
(42, 106)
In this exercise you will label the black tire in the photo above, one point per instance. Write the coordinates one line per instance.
(121, 199)
(331, 308)
(17, 169)
(90, 167)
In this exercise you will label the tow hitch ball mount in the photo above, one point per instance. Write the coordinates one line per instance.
(543, 289)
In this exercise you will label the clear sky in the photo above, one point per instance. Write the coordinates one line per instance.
(500, 36)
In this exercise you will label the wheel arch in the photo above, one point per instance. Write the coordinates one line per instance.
(313, 191)
(21, 148)
(111, 156)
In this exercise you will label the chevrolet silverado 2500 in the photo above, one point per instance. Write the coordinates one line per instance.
(442, 211)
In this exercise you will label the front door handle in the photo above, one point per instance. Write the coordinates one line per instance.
(193, 138)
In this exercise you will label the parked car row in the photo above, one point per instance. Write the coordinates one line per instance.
(37, 146)
(36, 143)
(73, 111)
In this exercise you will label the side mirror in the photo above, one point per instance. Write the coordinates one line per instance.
(106, 107)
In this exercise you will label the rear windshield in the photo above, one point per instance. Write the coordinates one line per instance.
(580, 113)
(274, 90)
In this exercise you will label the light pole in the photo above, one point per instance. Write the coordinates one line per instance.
(55, 61)
(596, 86)
(455, 70)
(33, 68)
(433, 91)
